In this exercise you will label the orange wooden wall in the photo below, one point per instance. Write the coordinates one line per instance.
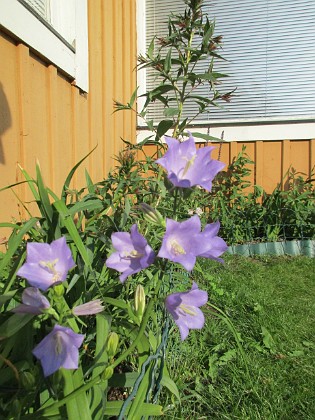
(44, 117)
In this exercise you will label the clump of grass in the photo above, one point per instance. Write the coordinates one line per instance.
(270, 303)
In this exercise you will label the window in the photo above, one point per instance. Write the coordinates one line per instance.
(270, 50)
(56, 29)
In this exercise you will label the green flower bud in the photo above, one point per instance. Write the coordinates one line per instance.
(112, 344)
(139, 301)
(152, 215)
(59, 290)
(108, 373)
(27, 380)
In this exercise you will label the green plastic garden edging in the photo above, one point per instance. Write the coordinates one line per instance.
(302, 247)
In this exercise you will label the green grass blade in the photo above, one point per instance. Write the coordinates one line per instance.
(44, 202)
(16, 242)
(71, 228)
(71, 173)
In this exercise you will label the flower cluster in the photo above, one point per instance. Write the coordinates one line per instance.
(183, 241)
(47, 266)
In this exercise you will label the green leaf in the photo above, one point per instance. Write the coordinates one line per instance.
(44, 202)
(268, 340)
(170, 385)
(168, 61)
(133, 98)
(16, 242)
(205, 136)
(89, 183)
(71, 173)
(123, 380)
(88, 205)
(113, 409)
(71, 228)
(163, 127)
(7, 296)
(31, 183)
(170, 112)
(13, 324)
(151, 49)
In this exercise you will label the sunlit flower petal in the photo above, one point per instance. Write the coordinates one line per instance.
(46, 265)
(33, 302)
(59, 349)
(184, 308)
(188, 166)
(132, 253)
(90, 308)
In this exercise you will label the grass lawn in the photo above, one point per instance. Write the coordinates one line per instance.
(265, 369)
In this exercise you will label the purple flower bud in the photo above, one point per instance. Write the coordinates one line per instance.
(59, 349)
(47, 265)
(33, 302)
(184, 308)
(187, 166)
(90, 308)
(132, 253)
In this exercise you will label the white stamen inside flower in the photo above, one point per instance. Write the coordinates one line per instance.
(58, 343)
(189, 163)
(187, 309)
(176, 248)
(132, 254)
(50, 265)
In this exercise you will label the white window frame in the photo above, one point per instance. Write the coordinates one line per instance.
(234, 130)
(25, 25)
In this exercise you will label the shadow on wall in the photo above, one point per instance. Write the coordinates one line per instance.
(5, 120)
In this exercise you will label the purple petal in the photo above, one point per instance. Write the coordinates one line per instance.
(132, 253)
(59, 349)
(184, 308)
(187, 166)
(47, 265)
(90, 308)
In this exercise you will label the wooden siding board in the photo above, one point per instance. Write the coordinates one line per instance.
(97, 89)
(299, 156)
(108, 76)
(9, 130)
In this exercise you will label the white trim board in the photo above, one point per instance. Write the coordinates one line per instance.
(18, 20)
(269, 132)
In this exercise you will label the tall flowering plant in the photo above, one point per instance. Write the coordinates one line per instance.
(88, 304)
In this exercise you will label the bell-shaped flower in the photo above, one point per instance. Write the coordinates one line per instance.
(90, 308)
(211, 245)
(188, 166)
(132, 253)
(184, 309)
(59, 349)
(46, 265)
(33, 302)
(181, 242)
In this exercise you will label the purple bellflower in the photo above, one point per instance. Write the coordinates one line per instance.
(180, 242)
(47, 265)
(59, 349)
(184, 241)
(184, 308)
(211, 245)
(132, 253)
(33, 302)
(188, 166)
(90, 308)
